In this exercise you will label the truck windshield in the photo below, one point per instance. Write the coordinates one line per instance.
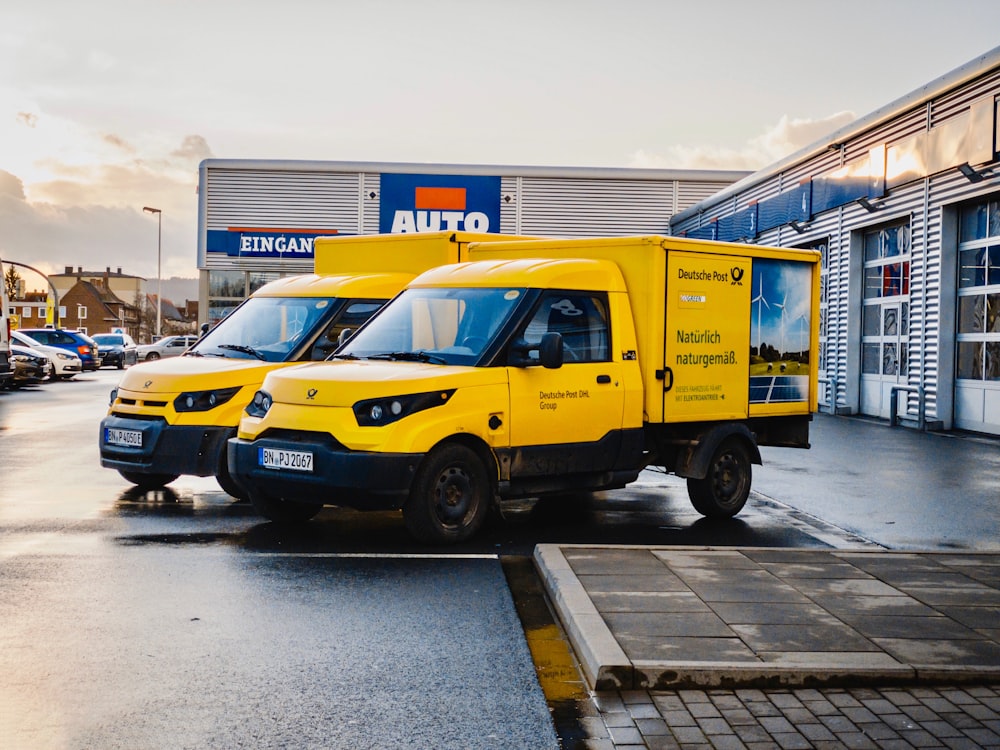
(270, 329)
(438, 325)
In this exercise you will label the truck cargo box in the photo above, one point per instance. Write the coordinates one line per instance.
(723, 331)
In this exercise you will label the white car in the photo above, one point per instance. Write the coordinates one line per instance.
(65, 364)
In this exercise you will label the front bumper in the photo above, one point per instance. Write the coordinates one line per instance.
(351, 479)
(166, 448)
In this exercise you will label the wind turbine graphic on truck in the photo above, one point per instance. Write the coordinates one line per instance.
(760, 298)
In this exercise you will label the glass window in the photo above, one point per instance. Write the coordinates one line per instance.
(230, 284)
(870, 359)
(993, 313)
(870, 322)
(993, 360)
(973, 223)
(972, 267)
(890, 321)
(970, 360)
(970, 314)
(217, 310)
(873, 282)
(581, 320)
(257, 279)
(889, 360)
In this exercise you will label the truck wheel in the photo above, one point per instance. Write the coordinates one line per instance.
(283, 511)
(147, 482)
(227, 483)
(450, 496)
(225, 479)
(724, 490)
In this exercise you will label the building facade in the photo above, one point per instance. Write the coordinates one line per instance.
(904, 206)
(258, 218)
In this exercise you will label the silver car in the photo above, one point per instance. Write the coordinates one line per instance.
(65, 364)
(168, 346)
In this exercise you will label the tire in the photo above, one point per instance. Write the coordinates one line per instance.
(283, 511)
(449, 498)
(121, 364)
(148, 481)
(725, 489)
(152, 355)
(226, 481)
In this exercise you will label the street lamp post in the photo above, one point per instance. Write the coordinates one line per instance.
(159, 273)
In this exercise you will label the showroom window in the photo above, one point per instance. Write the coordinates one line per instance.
(885, 317)
(979, 292)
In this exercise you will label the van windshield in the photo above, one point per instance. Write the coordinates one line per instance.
(441, 325)
(269, 329)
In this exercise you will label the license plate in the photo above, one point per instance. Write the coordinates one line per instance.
(275, 458)
(129, 438)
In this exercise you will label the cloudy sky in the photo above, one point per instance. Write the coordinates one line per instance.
(107, 106)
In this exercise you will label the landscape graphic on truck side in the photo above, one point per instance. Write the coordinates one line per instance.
(779, 331)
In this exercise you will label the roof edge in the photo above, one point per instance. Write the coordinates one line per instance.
(963, 74)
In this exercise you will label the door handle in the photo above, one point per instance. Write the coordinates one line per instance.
(603, 378)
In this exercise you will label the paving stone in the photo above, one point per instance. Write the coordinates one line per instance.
(625, 736)
(658, 624)
(859, 714)
(803, 637)
(618, 719)
(652, 727)
(714, 726)
(791, 741)
(814, 732)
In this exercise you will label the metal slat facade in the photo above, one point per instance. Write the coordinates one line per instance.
(276, 197)
(937, 124)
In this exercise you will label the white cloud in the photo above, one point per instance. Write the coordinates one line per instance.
(786, 137)
(74, 196)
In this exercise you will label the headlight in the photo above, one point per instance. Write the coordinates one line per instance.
(64, 355)
(259, 405)
(204, 400)
(375, 412)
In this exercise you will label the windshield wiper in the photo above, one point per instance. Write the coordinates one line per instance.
(245, 350)
(411, 357)
(343, 356)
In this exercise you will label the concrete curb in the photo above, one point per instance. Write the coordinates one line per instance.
(604, 663)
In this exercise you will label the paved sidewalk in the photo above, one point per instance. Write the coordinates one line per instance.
(674, 617)
(958, 717)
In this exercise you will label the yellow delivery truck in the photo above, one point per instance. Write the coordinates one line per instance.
(173, 416)
(546, 367)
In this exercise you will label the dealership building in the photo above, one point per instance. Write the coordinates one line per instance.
(258, 219)
(903, 204)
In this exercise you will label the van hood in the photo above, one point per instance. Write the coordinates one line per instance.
(342, 383)
(177, 374)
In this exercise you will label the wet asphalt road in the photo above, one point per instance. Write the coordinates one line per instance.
(180, 619)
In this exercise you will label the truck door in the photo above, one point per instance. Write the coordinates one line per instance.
(567, 420)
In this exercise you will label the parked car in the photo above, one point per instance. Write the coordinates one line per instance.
(168, 346)
(65, 364)
(30, 366)
(75, 341)
(116, 349)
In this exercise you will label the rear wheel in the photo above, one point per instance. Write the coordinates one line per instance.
(450, 496)
(724, 490)
(152, 355)
(282, 511)
(148, 481)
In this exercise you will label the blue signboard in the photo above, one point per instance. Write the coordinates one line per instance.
(437, 203)
(264, 242)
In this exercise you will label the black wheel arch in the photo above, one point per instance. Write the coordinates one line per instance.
(693, 463)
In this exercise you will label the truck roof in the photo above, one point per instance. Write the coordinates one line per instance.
(537, 273)
(373, 285)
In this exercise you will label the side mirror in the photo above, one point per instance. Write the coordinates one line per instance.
(344, 335)
(550, 352)
(204, 328)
